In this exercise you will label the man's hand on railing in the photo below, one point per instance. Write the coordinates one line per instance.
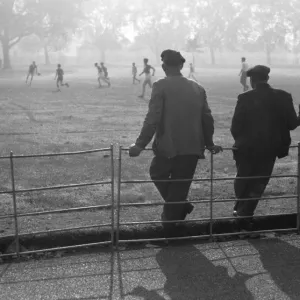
(135, 151)
(215, 149)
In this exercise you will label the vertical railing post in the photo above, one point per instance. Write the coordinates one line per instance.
(298, 190)
(112, 196)
(119, 196)
(211, 194)
(12, 172)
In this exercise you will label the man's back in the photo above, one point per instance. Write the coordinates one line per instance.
(99, 70)
(262, 121)
(60, 72)
(32, 68)
(105, 71)
(186, 117)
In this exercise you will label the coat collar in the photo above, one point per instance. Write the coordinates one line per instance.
(262, 85)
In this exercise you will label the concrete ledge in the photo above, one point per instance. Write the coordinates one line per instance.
(144, 232)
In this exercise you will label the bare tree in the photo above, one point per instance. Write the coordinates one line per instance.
(103, 24)
(17, 20)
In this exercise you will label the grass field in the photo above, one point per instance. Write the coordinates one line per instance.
(37, 120)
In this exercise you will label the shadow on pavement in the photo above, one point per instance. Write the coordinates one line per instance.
(282, 261)
(190, 275)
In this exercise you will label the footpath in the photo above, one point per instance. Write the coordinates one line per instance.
(266, 268)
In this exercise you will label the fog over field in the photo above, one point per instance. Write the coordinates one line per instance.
(77, 32)
(213, 35)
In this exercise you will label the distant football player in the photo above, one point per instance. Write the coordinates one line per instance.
(31, 72)
(105, 73)
(192, 72)
(147, 72)
(59, 77)
(243, 75)
(134, 73)
(100, 74)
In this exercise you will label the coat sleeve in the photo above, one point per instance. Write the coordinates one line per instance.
(291, 116)
(153, 117)
(207, 123)
(239, 117)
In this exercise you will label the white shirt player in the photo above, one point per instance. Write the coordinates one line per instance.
(245, 67)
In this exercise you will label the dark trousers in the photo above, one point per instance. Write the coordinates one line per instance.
(179, 167)
(251, 188)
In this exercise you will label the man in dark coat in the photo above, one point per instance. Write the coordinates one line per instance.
(261, 126)
(181, 120)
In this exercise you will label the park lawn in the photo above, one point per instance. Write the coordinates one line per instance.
(37, 120)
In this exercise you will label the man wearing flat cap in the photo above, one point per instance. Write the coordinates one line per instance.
(180, 119)
(261, 126)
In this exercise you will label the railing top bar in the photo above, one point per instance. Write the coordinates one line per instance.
(224, 148)
(62, 153)
(95, 151)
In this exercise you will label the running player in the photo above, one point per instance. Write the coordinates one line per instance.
(105, 78)
(31, 71)
(146, 71)
(59, 77)
(134, 72)
(243, 75)
(100, 74)
(192, 72)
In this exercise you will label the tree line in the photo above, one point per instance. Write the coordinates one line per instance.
(235, 25)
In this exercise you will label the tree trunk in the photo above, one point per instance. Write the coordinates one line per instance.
(103, 56)
(296, 58)
(295, 50)
(46, 54)
(157, 56)
(5, 51)
(212, 55)
(194, 60)
(268, 53)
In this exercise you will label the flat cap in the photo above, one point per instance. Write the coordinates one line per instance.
(172, 58)
(258, 70)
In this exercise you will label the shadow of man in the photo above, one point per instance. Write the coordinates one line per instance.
(190, 275)
(281, 260)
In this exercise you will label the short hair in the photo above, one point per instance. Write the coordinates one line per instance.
(243, 58)
(102, 63)
(96, 64)
(59, 65)
(172, 58)
(146, 60)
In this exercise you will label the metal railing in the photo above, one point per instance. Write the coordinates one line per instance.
(115, 210)
(211, 179)
(14, 192)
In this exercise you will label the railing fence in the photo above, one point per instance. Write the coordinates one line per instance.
(115, 208)
(17, 215)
